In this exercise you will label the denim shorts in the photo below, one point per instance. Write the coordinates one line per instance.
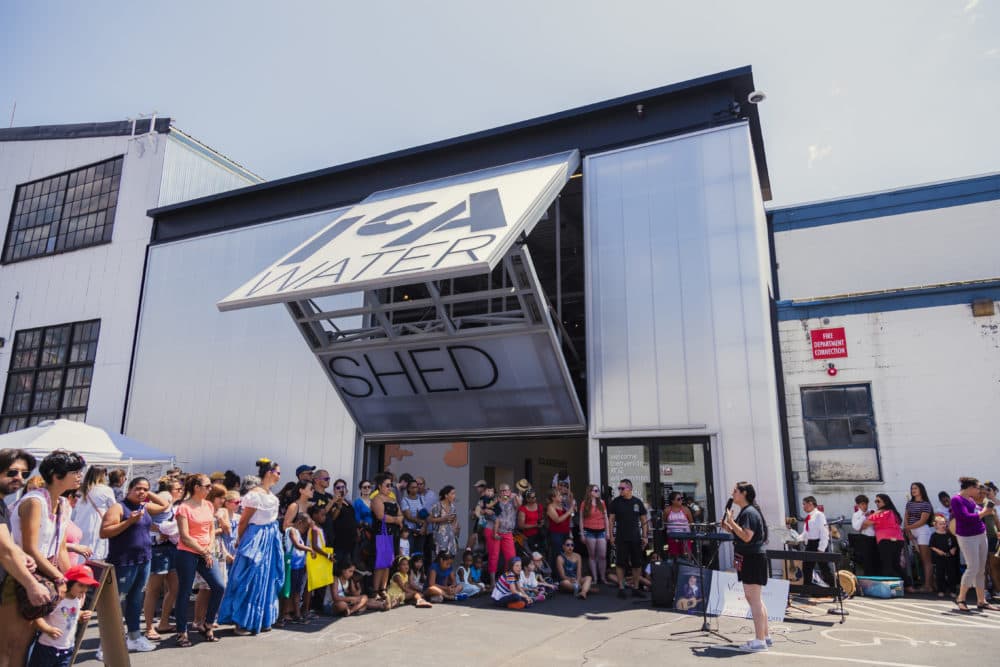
(163, 558)
(594, 534)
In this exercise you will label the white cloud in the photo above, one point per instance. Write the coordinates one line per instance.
(817, 153)
(970, 5)
(992, 52)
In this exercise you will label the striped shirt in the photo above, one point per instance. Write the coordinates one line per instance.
(504, 585)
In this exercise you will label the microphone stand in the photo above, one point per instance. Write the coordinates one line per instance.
(705, 628)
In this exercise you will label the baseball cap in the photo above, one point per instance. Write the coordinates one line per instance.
(536, 556)
(481, 482)
(217, 476)
(81, 573)
(304, 468)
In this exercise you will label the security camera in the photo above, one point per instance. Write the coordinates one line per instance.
(756, 97)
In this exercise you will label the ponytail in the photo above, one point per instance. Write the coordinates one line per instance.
(751, 496)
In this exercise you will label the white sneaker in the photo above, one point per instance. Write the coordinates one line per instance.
(753, 646)
(100, 655)
(140, 645)
(769, 641)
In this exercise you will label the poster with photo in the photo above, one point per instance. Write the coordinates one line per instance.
(692, 589)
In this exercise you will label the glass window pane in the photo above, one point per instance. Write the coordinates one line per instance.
(862, 432)
(858, 400)
(838, 433)
(836, 402)
(813, 404)
(815, 434)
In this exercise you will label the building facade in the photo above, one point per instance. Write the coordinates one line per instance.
(890, 339)
(73, 256)
(586, 293)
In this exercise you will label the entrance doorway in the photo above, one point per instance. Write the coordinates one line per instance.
(658, 466)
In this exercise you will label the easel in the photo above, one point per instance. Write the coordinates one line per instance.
(105, 602)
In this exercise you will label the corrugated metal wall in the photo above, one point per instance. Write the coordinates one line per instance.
(188, 174)
(218, 389)
(679, 330)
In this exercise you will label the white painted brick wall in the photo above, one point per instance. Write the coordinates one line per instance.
(935, 379)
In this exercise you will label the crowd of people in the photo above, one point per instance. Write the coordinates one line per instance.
(256, 554)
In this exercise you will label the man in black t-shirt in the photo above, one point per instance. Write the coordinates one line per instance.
(629, 533)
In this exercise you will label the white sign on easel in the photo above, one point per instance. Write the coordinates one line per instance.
(726, 597)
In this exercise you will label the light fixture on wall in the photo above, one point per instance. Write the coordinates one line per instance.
(831, 370)
(983, 308)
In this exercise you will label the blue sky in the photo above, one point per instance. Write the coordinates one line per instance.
(862, 96)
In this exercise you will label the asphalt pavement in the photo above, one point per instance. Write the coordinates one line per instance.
(601, 631)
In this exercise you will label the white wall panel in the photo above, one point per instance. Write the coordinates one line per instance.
(218, 389)
(189, 174)
(98, 282)
(935, 379)
(944, 245)
(679, 326)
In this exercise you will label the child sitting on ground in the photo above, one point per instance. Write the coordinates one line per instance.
(401, 589)
(418, 576)
(476, 571)
(464, 575)
(54, 646)
(531, 583)
(507, 591)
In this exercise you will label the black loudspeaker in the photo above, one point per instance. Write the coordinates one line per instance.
(663, 579)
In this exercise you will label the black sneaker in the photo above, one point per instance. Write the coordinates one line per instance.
(621, 593)
(636, 593)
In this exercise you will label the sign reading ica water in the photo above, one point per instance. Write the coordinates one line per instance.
(829, 343)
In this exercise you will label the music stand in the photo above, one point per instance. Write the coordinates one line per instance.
(699, 537)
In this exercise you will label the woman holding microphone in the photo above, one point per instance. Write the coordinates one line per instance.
(750, 532)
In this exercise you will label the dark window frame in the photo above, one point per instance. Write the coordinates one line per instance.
(61, 199)
(839, 410)
(74, 364)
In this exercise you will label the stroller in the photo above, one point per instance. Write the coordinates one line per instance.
(523, 547)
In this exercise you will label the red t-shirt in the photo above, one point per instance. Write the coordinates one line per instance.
(595, 519)
(559, 527)
(531, 517)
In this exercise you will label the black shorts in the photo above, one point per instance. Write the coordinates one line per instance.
(629, 554)
(752, 568)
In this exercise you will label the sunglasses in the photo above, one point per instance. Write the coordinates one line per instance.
(568, 544)
(322, 479)
(23, 474)
(623, 488)
(232, 501)
(339, 487)
(206, 486)
(366, 486)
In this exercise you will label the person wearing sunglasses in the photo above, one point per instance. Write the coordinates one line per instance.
(258, 571)
(342, 519)
(628, 531)
(888, 526)
(569, 565)
(594, 519)
(15, 565)
(39, 527)
(321, 482)
(196, 527)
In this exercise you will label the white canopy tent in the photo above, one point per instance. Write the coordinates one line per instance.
(96, 445)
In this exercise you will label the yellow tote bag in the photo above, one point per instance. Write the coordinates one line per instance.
(319, 569)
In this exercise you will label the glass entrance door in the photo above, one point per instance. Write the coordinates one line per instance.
(658, 466)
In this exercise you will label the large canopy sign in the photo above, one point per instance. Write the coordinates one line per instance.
(441, 229)
(475, 360)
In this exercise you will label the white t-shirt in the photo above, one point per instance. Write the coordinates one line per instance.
(88, 515)
(64, 617)
(265, 504)
(47, 544)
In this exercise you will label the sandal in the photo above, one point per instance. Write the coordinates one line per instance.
(962, 607)
(153, 636)
(183, 641)
(987, 605)
(241, 632)
(209, 636)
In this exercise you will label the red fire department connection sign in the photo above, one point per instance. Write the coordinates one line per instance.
(829, 343)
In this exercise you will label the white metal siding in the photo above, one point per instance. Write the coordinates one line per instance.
(99, 282)
(935, 377)
(188, 175)
(944, 245)
(220, 390)
(678, 324)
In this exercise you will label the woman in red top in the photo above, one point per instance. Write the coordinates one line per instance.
(595, 532)
(196, 527)
(530, 516)
(889, 535)
(559, 523)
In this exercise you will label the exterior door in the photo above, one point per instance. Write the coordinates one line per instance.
(658, 466)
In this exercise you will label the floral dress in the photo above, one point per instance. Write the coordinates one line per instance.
(445, 538)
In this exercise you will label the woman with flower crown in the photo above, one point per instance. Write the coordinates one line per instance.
(251, 599)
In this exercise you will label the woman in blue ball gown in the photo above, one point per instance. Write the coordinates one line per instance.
(257, 574)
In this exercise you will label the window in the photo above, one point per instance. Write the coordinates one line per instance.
(839, 425)
(64, 212)
(51, 369)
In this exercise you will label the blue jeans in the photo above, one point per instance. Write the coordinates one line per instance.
(131, 582)
(187, 564)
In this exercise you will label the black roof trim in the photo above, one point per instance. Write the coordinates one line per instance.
(115, 128)
(667, 111)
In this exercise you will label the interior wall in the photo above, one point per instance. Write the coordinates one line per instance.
(546, 457)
